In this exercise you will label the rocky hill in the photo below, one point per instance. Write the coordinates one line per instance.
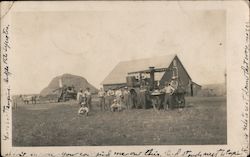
(69, 80)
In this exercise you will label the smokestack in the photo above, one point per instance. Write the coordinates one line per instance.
(60, 83)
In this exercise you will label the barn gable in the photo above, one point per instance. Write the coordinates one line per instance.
(182, 73)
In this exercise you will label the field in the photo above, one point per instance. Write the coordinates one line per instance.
(203, 121)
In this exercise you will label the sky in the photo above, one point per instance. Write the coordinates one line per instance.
(91, 43)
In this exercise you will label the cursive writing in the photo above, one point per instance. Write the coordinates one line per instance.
(245, 90)
(145, 153)
(6, 73)
(5, 48)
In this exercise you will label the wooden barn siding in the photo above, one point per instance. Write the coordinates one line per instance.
(166, 77)
(181, 73)
(196, 89)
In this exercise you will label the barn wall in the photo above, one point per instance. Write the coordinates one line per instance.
(166, 78)
(196, 89)
(184, 77)
(183, 74)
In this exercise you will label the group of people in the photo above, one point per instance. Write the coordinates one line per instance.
(174, 94)
(122, 98)
(168, 90)
(163, 97)
(84, 100)
(114, 100)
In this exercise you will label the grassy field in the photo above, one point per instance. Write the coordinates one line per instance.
(203, 121)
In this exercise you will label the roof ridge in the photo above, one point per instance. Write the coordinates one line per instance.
(119, 72)
(137, 59)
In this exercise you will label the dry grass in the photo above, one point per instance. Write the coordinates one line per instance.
(203, 121)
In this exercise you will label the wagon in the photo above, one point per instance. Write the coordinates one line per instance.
(67, 93)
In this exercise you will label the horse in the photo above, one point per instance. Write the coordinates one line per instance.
(28, 99)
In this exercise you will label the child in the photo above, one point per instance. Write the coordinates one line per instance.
(83, 109)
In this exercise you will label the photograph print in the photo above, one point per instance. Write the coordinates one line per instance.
(117, 77)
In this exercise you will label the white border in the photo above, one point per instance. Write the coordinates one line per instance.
(237, 16)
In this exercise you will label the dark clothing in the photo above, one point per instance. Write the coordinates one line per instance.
(89, 102)
(167, 101)
(142, 98)
(102, 103)
(127, 99)
(110, 100)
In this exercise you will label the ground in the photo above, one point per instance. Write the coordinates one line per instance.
(203, 121)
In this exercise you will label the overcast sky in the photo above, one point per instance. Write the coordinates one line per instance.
(91, 43)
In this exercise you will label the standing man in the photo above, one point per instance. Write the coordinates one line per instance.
(126, 97)
(79, 97)
(168, 92)
(101, 95)
(142, 97)
(88, 98)
(118, 95)
(110, 97)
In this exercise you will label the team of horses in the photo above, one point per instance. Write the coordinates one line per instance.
(30, 99)
(26, 99)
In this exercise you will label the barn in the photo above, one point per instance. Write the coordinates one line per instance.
(117, 77)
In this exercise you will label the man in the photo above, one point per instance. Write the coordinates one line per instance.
(88, 98)
(126, 97)
(83, 109)
(116, 106)
(79, 97)
(142, 97)
(118, 95)
(110, 97)
(134, 98)
(168, 92)
(101, 96)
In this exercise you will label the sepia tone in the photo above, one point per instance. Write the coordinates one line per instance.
(144, 119)
(124, 78)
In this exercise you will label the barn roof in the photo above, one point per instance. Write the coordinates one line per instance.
(196, 84)
(119, 73)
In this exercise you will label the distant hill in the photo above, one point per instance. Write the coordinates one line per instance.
(67, 79)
